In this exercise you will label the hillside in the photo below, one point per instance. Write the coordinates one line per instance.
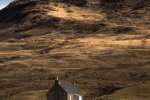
(103, 46)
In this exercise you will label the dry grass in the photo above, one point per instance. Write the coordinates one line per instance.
(76, 44)
(94, 57)
(75, 13)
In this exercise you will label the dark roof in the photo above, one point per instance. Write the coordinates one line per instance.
(69, 88)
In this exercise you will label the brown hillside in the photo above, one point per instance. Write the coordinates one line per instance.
(103, 46)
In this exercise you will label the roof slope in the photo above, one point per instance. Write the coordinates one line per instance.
(69, 88)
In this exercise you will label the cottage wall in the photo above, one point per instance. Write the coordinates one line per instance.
(70, 97)
(56, 93)
(74, 97)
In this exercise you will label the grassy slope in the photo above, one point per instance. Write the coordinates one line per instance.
(139, 92)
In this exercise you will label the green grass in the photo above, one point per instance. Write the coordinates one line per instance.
(140, 92)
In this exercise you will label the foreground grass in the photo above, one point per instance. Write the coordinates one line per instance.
(139, 92)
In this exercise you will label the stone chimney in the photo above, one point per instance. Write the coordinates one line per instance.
(57, 80)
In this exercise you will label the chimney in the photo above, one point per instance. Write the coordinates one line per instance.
(57, 80)
(74, 83)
